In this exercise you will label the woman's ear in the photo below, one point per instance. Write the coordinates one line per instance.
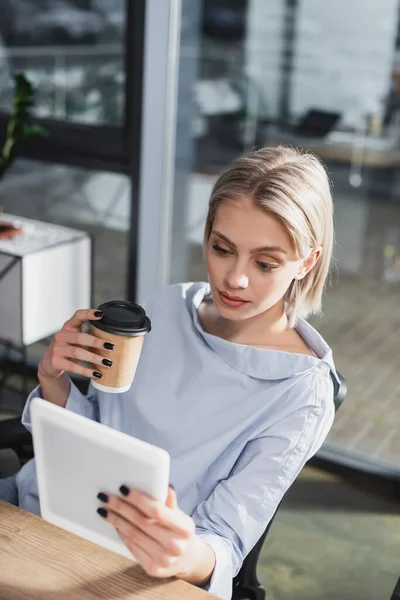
(308, 263)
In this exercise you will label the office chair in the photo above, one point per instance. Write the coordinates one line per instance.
(396, 592)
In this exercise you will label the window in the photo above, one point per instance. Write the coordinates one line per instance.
(262, 73)
(73, 53)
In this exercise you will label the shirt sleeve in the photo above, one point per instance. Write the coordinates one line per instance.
(239, 509)
(85, 405)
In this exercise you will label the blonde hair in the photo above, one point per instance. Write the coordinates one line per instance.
(293, 186)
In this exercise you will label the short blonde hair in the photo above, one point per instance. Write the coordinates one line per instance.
(293, 186)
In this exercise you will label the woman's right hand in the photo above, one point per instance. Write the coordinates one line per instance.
(71, 345)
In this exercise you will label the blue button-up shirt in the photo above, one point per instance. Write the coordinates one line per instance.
(239, 422)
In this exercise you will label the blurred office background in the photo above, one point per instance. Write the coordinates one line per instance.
(146, 102)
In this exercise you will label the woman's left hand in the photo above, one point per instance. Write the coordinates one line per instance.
(160, 536)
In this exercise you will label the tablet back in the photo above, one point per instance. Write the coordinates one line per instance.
(76, 458)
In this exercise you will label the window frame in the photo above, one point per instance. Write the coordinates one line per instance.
(104, 147)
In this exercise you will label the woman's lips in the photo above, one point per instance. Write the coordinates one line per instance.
(232, 301)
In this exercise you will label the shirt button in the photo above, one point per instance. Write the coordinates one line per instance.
(282, 482)
(324, 368)
(302, 447)
(318, 411)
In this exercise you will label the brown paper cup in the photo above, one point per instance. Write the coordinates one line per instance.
(125, 357)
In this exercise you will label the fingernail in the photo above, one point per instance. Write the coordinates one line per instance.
(124, 490)
(102, 512)
(97, 374)
(108, 346)
(98, 313)
(172, 486)
(103, 497)
(107, 362)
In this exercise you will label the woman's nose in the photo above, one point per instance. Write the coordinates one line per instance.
(236, 278)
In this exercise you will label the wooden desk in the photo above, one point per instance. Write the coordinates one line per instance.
(343, 153)
(39, 561)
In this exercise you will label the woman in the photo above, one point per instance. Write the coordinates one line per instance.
(232, 381)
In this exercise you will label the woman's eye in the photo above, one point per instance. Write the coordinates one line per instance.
(267, 266)
(220, 250)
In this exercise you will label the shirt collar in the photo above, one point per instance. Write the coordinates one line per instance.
(262, 363)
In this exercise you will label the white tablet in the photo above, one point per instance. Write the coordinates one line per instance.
(77, 458)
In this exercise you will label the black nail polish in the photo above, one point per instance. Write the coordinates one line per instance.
(107, 362)
(124, 490)
(102, 512)
(103, 497)
(108, 346)
(172, 486)
(98, 313)
(97, 374)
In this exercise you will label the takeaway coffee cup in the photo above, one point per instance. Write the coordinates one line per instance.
(124, 324)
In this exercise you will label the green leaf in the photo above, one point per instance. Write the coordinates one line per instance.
(34, 130)
(19, 125)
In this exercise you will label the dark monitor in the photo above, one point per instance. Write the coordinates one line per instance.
(316, 123)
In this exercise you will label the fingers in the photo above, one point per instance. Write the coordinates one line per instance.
(67, 344)
(157, 535)
(171, 501)
(126, 528)
(70, 346)
(156, 559)
(139, 553)
(66, 351)
(176, 520)
(66, 336)
(77, 353)
(63, 357)
(63, 364)
(80, 316)
(144, 559)
(129, 514)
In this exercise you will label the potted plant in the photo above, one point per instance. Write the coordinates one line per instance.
(19, 128)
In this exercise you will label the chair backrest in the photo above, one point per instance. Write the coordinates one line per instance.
(396, 592)
(246, 585)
